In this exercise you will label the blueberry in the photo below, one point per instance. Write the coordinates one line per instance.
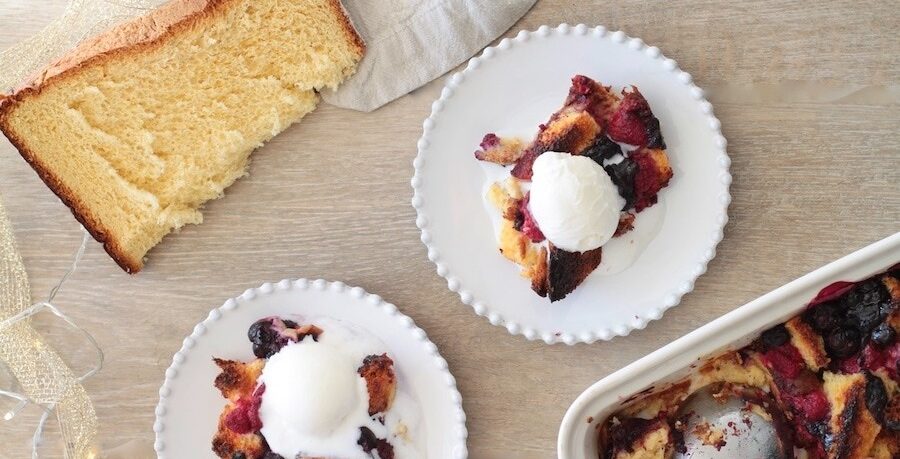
(867, 304)
(367, 439)
(865, 316)
(824, 317)
(264, 338)
(239, 455)
(775, 336)
(261, 332)
(842, 342)
(622, 175)
(602, 148)
(876, 397)
(883, 334)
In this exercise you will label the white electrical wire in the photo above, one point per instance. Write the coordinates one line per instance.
(29, 312)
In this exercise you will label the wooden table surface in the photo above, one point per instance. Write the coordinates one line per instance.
(809, 99)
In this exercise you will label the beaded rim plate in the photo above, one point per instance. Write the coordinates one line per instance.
(516, 85)
(189, 405)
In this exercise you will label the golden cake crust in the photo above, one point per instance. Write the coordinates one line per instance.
(237, 379)
(808, 343)
(852, 425)
(381, 382)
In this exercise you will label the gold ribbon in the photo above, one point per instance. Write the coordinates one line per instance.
(44, 378)
(81, 19)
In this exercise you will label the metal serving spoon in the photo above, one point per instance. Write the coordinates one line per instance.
(724, 428)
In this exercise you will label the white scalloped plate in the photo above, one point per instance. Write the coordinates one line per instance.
(511, 88)
(189, 405)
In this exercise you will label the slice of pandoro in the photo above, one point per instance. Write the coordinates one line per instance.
(136, 128)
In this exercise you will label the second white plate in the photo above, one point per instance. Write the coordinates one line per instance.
(510, 89)
(189, 405)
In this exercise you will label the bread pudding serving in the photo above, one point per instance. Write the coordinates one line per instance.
(138, 127)
(322, 390)
(827, 379)
(598, 162)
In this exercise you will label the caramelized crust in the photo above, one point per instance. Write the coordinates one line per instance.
(567, 270)
(567, 132)
(853, 428)
(808, 343)
(893, 286)
(378, 371)
(626, 224)
(886, 446)
(637, 438)
(538, 271)
(237, 379)
(570, 133)
(598, 100)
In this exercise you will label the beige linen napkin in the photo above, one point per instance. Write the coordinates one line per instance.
(411, 42)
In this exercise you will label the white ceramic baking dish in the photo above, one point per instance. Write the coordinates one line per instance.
(577, 434)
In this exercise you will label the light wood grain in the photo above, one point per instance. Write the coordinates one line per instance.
(816, 175)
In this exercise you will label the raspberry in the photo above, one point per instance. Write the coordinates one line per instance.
(647, 180)
(831, 292)
(848, 365)
(529, 226)
(490, 140)
(244, 418)
(813, 405)
(876, 357)
(784, 360)
(633, 122)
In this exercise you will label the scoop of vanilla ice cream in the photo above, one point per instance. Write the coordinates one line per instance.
(314, 401)
(575, 203)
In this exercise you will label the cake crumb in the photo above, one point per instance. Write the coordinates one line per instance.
(710, 436)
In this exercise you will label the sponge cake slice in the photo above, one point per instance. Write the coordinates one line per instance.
(135, 129)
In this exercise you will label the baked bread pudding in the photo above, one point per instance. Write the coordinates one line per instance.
(314, 391)
(591, 169)
(138, 127)
(827, 378)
